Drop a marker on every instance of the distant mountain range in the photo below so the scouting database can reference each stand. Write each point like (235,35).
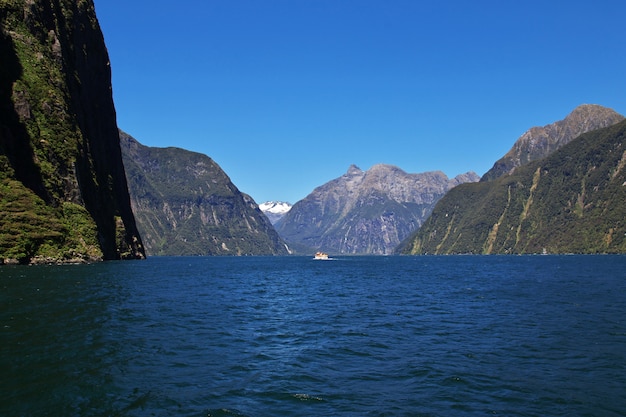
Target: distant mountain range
(365,212)
(572,201)
(275,210)
(186,205)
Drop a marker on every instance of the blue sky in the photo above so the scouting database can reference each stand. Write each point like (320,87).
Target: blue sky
(286,94)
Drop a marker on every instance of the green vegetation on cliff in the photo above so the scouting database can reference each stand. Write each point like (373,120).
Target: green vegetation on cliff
(539,142)
(34,231)
(573,201)
(62,179)
(186,205)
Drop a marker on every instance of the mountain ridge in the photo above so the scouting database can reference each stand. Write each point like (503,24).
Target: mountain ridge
(572,201)
(538,142)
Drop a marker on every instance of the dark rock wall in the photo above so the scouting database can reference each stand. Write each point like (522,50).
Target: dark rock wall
(58,129)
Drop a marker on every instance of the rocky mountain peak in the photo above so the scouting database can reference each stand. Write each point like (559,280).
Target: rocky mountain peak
(539,142)
(587,112)
(354,170)
(365,212)
(572,201)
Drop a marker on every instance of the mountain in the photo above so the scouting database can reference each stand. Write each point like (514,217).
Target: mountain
(275,210)
(539,142)
(573,201)
(186,205)
(63,192)
(365,212)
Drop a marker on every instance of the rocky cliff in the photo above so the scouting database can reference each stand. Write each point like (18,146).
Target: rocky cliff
(573,201)
(365,212)
(63,193)
(186,205)
(539,142)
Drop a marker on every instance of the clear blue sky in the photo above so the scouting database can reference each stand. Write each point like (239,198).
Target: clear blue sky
(286,94)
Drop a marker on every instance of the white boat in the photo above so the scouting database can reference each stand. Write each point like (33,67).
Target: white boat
(321,256)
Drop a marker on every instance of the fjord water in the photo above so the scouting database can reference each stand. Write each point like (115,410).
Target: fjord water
(290,336)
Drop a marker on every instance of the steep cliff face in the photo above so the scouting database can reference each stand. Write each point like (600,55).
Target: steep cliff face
(365,212)
(63,192)
(539,142)
(573,201)
(186,205)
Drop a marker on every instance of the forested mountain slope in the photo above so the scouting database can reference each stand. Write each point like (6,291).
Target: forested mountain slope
(539,142)
(573,201)
(186,205)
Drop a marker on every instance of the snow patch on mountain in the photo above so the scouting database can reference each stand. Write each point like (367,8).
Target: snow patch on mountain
(275,210)
(276,207)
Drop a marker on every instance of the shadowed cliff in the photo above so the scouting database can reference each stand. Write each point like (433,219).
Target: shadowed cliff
(63,193)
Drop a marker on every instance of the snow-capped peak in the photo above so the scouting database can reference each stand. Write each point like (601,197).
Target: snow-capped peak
(275,210)
(275,207)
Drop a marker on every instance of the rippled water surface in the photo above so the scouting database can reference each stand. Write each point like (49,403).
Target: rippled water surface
(289,336)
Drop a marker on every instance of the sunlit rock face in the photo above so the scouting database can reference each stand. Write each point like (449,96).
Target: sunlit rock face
(366,212)
(539,142)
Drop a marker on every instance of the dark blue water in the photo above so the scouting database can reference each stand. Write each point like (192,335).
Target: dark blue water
(361,336)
